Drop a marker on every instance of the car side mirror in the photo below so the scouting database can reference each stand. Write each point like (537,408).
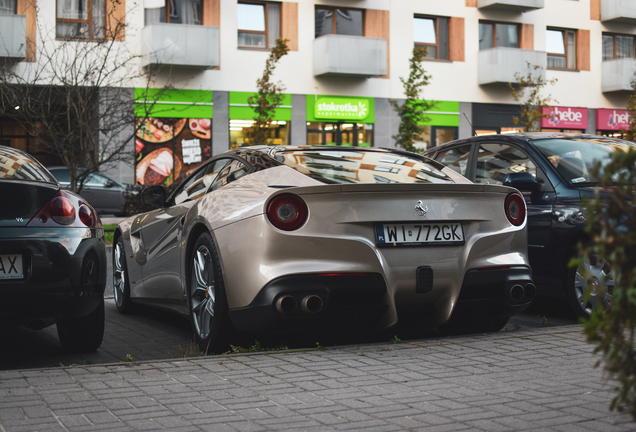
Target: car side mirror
(522,181)
(154,196)
(108,184)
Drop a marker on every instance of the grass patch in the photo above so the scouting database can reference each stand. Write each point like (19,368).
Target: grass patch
(109,232)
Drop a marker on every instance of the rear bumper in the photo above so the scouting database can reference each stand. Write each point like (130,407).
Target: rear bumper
(488,293)
(346,303)
(52,262)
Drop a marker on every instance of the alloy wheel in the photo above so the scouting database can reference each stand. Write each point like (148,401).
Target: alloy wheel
(595,271)
(119,275)
(202,292)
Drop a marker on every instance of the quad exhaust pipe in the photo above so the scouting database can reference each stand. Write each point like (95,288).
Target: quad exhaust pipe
(310,304)
(518,293)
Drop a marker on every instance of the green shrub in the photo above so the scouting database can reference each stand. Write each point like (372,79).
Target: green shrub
(611,225)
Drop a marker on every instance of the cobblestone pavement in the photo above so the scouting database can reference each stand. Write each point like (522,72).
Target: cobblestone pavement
(537,379)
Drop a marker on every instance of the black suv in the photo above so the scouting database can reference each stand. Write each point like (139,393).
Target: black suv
(552,171)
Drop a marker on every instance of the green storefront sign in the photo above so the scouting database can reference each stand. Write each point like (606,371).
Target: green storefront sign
(173,103)
(443,113)
(240,108)
(340,108)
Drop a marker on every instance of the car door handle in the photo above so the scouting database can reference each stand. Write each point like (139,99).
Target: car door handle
(182,220)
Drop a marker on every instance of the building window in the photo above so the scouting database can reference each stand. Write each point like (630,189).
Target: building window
(81,19)
(346,22)
(561,48)
(7,7)
(258,24)
(432,33)
(498,35)
(617,46)
(172,11)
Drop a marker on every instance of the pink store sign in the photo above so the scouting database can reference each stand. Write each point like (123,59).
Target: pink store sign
(612,119)
(564,118)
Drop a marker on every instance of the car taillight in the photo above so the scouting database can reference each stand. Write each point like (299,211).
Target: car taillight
(515,208)
(287,212)
(67,210)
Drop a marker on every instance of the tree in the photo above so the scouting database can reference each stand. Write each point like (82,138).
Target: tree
(269,95)
(611,225)
(527,89)
(411,112)
(76,98)
(631,109)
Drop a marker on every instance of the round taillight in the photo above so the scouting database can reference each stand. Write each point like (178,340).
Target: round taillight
(515,208)
(86,215)
(287,212)
(62,210)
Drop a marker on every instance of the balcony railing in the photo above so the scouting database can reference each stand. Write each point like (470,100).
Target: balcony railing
(499,65)
(512,5)
(350,55)
(617,74)
(193,46)
(12,36)
(619,11)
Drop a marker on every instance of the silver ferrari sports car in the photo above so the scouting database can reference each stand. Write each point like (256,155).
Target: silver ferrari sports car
(303,239)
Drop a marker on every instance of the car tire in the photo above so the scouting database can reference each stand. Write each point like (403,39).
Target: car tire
(84,334)
(121,284)
(207,299)
(577,284)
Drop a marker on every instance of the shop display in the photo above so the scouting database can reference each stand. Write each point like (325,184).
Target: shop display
(166,151)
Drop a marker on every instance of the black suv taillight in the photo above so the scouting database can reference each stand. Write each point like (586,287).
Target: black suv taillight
(66,210)
(287,212)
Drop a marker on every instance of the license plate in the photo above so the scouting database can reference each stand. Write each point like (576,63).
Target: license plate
(11,267)
(419,234)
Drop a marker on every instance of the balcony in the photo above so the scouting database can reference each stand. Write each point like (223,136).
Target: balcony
(12,36)
(499,65)
(618,74)
(191,46)
(350,55)
(618,11)
(511,5)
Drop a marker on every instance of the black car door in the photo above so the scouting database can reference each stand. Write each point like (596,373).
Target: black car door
(493,161)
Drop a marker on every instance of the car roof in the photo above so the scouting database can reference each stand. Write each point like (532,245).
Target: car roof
(523,137)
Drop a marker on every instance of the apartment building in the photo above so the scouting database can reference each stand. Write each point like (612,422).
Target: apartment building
(345,63)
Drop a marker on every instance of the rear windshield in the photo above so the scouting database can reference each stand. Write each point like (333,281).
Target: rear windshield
(20,166)
(333,166)
(573,159)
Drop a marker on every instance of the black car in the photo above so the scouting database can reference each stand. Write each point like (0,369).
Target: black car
(103,193)
(52,255)
(552,172)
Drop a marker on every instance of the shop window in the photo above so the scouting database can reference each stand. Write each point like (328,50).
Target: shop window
(496,161)
(493,35)
(342,134)
(172,11)
(258,24)
(81,19)
(240,133)
(432,34)
(561,48)
(7,7)
(330,20)
(617,46)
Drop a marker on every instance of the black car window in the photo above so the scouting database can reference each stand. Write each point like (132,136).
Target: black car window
(496,161)
(62,175)
(455,158)
(231,172)
(198,183)
(20,166)
(573,159)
